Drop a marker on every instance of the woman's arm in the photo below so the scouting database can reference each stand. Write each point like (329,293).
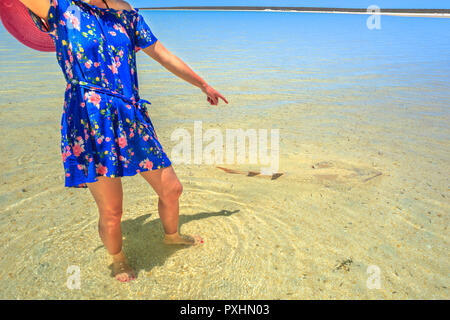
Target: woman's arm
(39,7)
(175,65)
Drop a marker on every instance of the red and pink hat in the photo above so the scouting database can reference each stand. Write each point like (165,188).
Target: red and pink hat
(17,20)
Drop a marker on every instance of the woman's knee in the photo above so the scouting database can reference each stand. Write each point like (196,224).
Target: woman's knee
(110,217)
(172,191)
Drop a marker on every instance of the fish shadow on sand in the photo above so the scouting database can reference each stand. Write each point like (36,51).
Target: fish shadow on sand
(273,176)
(341,172)
(142,240)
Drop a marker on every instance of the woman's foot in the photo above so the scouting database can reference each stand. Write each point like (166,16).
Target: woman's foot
(120,268)
(176,238)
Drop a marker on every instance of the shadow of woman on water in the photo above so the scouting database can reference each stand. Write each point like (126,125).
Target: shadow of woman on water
(142,240)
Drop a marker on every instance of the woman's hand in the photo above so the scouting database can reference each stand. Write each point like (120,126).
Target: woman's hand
(212,95)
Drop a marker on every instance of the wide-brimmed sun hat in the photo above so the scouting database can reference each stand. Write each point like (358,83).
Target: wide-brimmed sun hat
(18,21)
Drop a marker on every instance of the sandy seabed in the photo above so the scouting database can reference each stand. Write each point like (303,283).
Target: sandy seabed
(311,233)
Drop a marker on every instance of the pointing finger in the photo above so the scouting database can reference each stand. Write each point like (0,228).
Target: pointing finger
(223,98)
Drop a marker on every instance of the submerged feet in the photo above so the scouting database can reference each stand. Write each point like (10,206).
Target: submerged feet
(124,273)
(120,268)
(176,238)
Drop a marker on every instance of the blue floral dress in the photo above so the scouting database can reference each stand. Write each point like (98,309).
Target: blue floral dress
(105,126)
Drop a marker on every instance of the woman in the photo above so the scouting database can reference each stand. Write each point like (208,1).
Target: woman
(105,127)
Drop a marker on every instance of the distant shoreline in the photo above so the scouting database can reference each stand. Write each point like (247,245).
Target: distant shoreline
(398,12)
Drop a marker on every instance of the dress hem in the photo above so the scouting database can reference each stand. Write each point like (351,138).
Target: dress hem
(83,185)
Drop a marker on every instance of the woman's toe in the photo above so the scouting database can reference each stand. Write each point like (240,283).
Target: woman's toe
(198,239)
(122,277)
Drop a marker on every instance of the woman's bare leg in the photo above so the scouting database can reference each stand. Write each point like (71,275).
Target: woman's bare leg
(108,195)
(166,184)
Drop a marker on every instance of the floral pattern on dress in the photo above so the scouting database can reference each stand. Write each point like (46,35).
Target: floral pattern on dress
(105,126)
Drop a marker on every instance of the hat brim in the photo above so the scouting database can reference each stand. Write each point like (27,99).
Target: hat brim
(17,20)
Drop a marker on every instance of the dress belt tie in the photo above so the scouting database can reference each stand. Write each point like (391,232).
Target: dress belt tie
(139,104)
(94,87)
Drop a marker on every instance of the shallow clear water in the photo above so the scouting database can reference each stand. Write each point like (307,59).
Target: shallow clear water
(365,101)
